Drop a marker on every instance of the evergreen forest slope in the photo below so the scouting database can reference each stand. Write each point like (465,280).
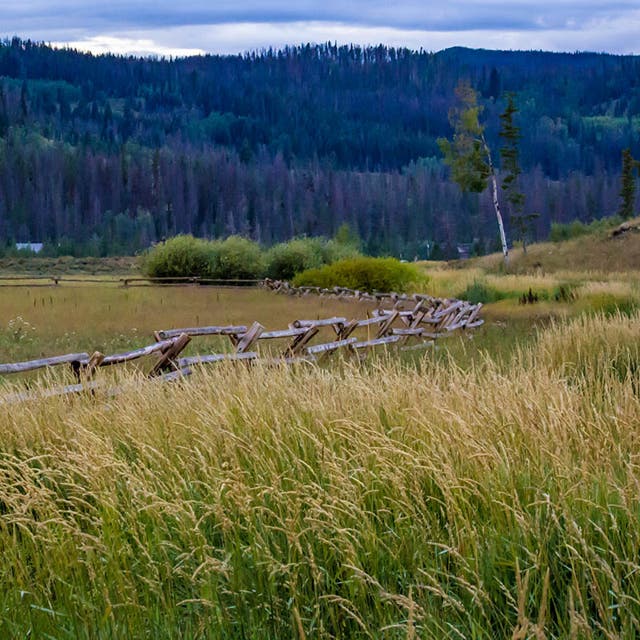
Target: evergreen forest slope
(104,154)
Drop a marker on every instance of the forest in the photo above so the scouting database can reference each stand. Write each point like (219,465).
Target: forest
(105,155)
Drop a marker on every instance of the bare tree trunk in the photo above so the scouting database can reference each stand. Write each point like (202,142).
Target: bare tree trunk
(496,203)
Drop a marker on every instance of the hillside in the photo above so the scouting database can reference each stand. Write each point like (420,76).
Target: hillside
(607,251)
(102,155)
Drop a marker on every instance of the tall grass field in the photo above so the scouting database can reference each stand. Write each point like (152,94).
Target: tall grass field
(359,501)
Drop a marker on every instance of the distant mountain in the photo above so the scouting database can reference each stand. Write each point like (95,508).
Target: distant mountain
(105,154)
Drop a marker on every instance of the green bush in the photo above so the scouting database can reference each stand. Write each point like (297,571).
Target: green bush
(186,256)
(334,250)
(285,260)
(564,292)
(365,274)
(237,258)
(181,256)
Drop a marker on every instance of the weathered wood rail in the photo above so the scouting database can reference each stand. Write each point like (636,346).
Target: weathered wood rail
(38,280)
(31,365)
(418,318)
(398,299)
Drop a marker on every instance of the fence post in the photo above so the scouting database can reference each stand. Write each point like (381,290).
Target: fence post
(168,356)
(247,339)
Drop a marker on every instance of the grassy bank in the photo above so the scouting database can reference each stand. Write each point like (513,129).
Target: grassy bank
(382,501)
(601,250)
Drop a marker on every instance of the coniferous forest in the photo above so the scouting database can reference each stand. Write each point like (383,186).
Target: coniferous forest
(103,155)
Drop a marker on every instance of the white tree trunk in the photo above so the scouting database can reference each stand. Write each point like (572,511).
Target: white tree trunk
(496,203)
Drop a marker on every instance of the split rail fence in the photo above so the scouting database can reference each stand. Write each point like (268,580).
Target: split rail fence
(37,280)
(411,322)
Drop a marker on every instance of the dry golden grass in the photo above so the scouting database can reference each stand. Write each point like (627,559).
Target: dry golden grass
(108,318)
(444,281)
(561,293)
(66,265)
(599,253)
(488,489)
(376,501)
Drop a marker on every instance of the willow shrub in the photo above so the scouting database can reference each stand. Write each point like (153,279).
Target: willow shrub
(237,258)
(364,274)
(286,259)
(186,256)
(178,257)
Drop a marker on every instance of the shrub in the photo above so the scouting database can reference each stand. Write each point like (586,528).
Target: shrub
(237,258)
(285,260)
(575,229)
(564,292)
(610,304)
(334,250)
(365,274)
(181,256)
(186,256)
(479,291)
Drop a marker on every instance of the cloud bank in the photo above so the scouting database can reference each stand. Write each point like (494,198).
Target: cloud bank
(165,27)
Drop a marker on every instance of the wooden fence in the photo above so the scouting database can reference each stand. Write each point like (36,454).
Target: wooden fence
(122,281)
(410,322)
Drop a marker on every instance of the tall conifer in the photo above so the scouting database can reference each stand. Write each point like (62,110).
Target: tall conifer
(628,185)
(509,153)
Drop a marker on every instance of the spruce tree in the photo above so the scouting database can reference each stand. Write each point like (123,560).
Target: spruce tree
(509,154)
(510,134)
(628,185)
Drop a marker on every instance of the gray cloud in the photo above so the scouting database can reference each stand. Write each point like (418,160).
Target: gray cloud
(212,26)
(406,14)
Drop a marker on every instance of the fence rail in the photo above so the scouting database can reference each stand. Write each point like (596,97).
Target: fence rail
(37,280)
(414,318)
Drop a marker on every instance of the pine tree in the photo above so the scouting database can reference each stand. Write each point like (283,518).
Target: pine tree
(509,154)
(510,134)
(628,185)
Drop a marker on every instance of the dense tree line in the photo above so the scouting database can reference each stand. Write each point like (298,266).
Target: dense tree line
(112,153)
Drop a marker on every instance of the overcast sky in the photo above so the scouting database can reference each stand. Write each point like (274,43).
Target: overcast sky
(184,27)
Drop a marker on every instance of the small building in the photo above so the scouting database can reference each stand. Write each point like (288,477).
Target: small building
(34,247)
(464,250)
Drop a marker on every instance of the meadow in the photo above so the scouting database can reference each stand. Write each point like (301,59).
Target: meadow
(46,321)
(487,488)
